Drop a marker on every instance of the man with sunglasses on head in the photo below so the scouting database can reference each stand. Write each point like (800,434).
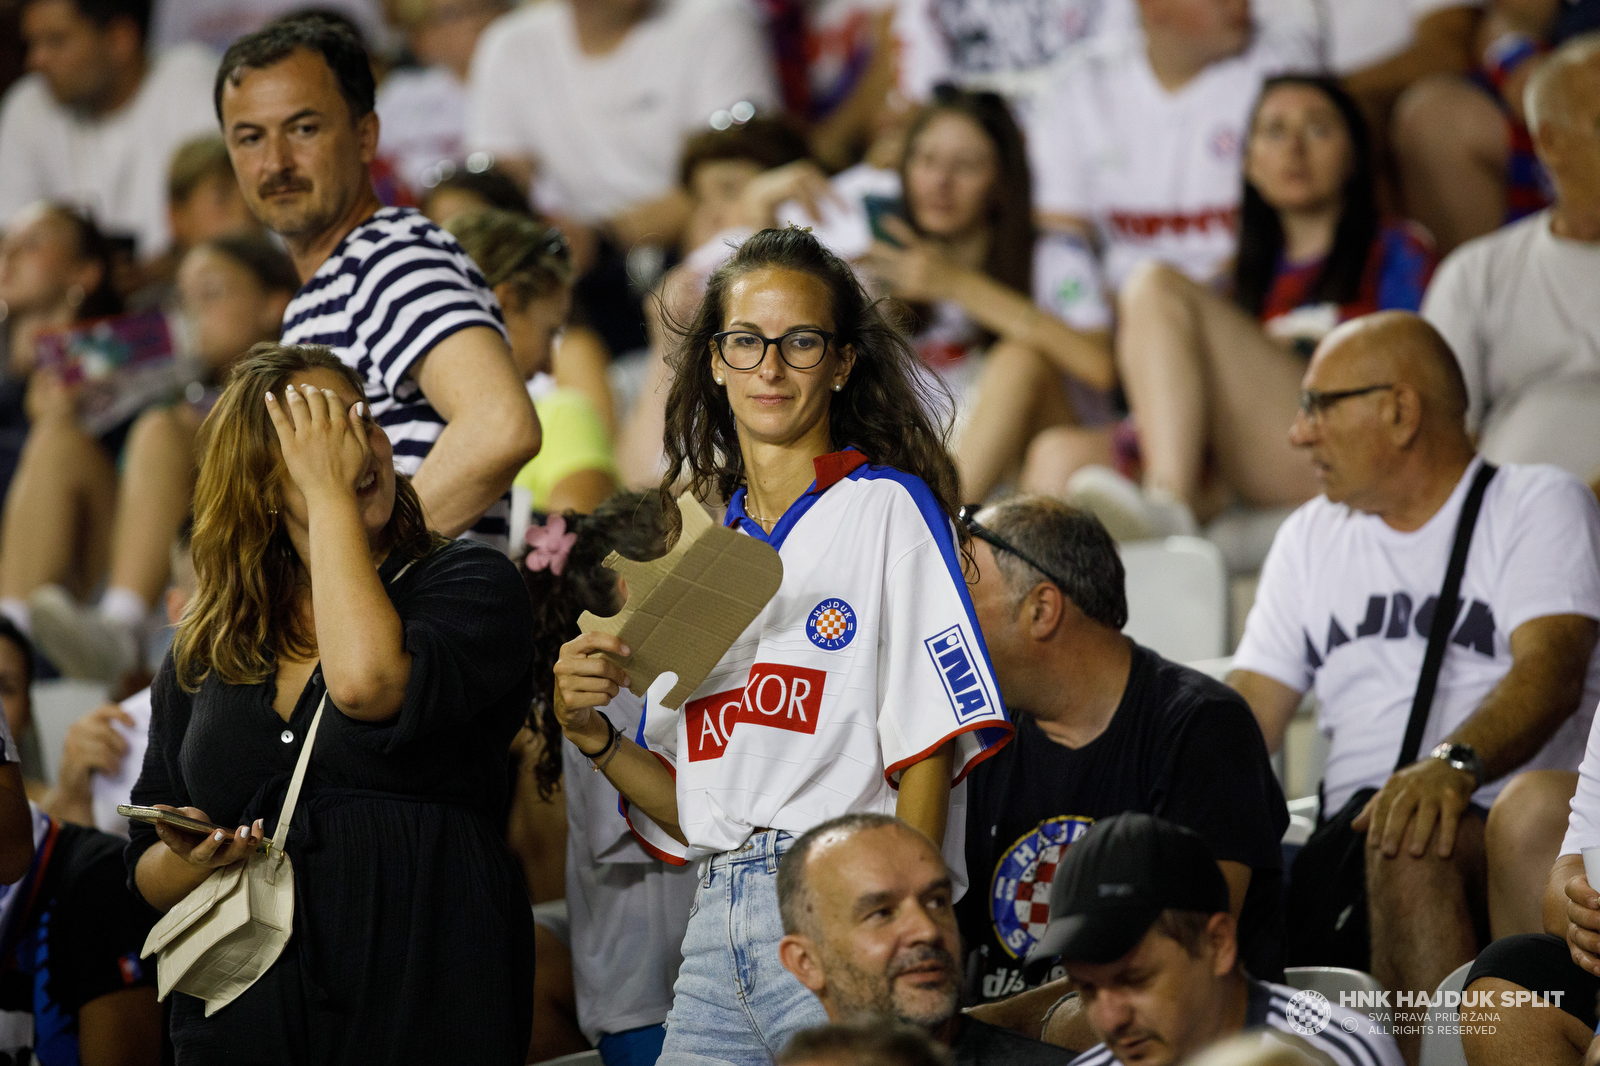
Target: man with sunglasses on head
(1103,726)
(1345,605)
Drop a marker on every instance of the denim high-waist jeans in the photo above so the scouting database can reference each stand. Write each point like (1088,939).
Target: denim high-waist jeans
(733,1001)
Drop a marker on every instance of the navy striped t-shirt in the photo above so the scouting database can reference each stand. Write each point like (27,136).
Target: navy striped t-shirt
(395,287)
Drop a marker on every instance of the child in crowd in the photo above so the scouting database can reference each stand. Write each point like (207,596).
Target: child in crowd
(71,518)
(203,202)
(1213,380)
(527,265)
(628,910)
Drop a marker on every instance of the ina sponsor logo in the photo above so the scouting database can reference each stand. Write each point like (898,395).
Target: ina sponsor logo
(969,696)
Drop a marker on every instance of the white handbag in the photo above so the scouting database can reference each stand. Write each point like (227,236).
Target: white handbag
(219,939)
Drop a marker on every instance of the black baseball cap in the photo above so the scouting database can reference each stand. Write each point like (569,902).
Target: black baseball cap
(1117,879)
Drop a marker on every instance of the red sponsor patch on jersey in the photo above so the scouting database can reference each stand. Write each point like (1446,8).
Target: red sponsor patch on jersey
(776,695)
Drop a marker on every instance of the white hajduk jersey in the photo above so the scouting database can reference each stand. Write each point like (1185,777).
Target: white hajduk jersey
(1157,173)
(392,290)
(869,659)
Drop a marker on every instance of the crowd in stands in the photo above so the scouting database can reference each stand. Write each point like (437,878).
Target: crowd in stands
(346,343)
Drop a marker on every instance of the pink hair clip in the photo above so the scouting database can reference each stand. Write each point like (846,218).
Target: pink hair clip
(548,545)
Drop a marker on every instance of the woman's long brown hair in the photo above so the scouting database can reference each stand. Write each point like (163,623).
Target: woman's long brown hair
(245,614)
(890,408)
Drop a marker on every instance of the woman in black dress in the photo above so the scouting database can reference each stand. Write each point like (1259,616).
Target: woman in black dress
(413,938)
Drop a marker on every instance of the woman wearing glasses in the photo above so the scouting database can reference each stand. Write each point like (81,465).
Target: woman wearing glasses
(1211,380)
(863,685)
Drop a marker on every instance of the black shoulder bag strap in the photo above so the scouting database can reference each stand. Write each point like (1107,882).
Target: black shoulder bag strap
(1444,617)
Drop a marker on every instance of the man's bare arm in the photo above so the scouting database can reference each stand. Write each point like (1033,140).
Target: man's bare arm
(1549,662)
(1272,702)
(491,429)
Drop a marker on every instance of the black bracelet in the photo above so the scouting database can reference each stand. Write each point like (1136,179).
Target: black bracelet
(612,733)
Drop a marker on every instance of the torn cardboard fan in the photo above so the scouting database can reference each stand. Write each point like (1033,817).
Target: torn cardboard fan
(686,609)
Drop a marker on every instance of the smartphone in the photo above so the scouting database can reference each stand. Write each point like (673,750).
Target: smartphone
(879,208)
(172,818)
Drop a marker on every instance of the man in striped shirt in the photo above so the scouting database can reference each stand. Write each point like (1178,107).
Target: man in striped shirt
(1139,916)
(393,295)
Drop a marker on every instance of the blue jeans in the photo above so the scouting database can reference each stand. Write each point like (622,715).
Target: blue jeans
(733,1001)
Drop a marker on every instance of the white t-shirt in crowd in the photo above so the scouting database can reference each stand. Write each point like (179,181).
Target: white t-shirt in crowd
(628,910)
(1345,603)
(109,790)
(868,659)
(607,131)
(1157,173)
(218,23)
(1519,306)
(1005,45)
(422,120)
(113,167)
(1354,34)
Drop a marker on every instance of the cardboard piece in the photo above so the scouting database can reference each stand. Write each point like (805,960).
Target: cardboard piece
(686,609)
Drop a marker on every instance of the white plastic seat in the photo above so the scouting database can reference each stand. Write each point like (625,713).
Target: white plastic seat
(56,705)
(1332,981)
(1177,597)
(1441,1041)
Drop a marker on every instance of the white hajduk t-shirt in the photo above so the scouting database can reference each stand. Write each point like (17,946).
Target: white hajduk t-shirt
(628,909)
(1519,307)
(606,132)
(422,119)
(109,790)
(114,167)
(1005,45)
(868,660)
(1157,173)
(1345,603)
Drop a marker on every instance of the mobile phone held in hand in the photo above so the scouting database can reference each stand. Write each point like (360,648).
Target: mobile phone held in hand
(879,208)
(172,818)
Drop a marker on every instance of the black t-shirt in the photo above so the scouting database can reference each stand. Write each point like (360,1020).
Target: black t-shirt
(1180,746)
(981,1044)
(80,940)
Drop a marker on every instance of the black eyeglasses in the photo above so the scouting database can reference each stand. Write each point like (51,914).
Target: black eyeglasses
(968,517)
(1314,402)
(802,349)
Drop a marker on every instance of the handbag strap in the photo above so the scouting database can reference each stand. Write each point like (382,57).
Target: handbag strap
(280,839)
(1444,617)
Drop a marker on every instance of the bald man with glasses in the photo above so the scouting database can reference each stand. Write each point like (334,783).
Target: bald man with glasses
(1103,726)
(1345,605)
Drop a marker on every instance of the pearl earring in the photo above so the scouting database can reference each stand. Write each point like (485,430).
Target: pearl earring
(717,380)
(839,386)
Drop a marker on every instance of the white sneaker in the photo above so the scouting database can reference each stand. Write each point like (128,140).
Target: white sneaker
(1127,511)
(80,641)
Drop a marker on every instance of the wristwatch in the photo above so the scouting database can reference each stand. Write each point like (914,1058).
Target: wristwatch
(1461,757)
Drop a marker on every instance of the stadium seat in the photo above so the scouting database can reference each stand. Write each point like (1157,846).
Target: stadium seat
(1441,1041)
(56,705)
(1177,597)
(1331,981)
